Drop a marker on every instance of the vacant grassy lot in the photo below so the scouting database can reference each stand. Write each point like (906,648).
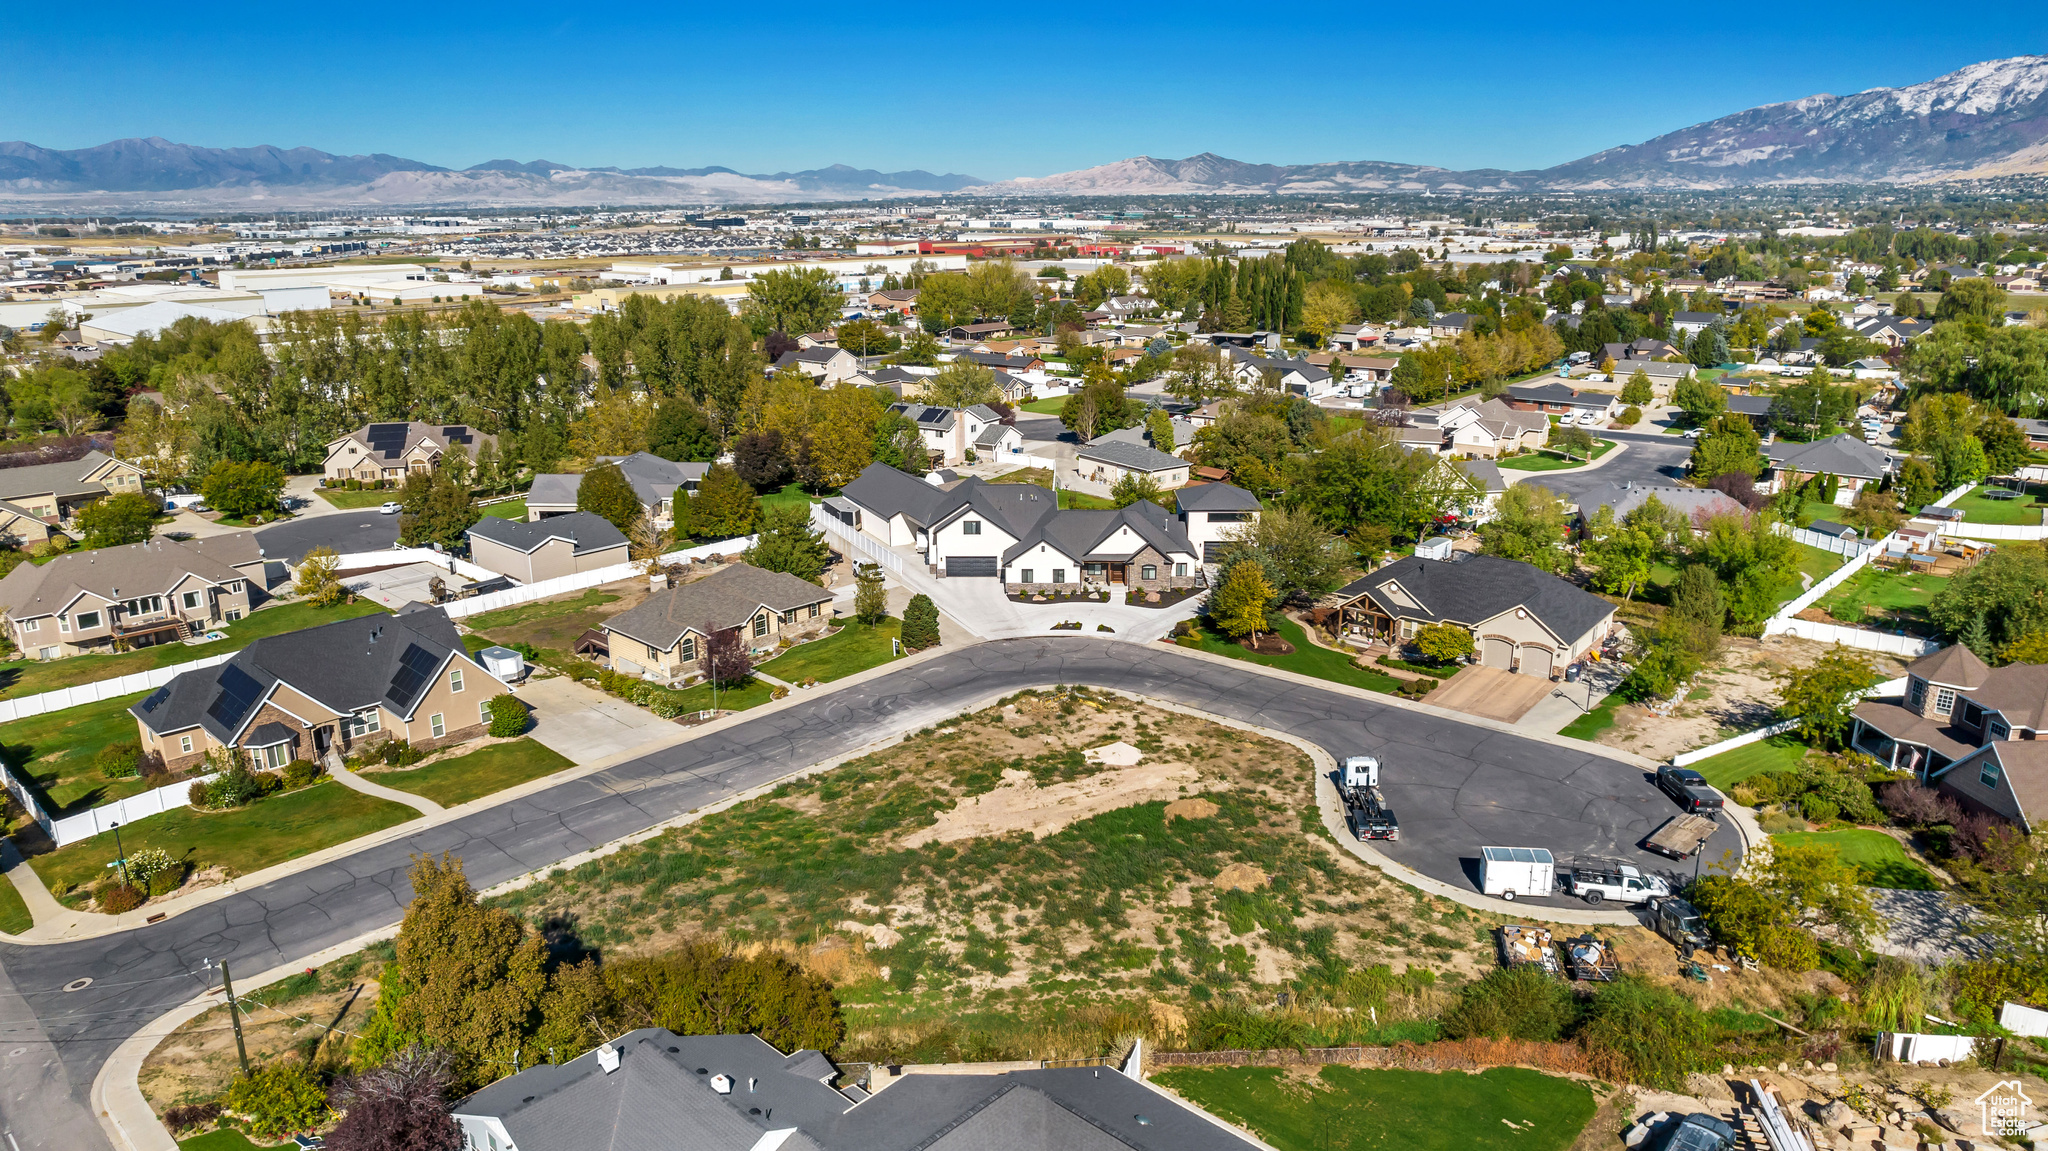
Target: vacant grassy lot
(1355,1109)
(2024,509)
(481,772)
(1781,753)
(1073,499)
(266,832)
(30,677)
(555,623)
(1307,658)
(1050,406)
(855,647)
(1877,855)
(1550,461)
(53,753)
(985,888)
(1040,476)
(1883,598)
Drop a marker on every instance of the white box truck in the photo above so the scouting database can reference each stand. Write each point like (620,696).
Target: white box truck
(1510,872)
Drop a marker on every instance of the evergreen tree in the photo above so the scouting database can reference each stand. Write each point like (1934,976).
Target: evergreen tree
(1637,390)
(788,543)
(682,432)
(606,492)
(870,598)
(724,506)
(920,623)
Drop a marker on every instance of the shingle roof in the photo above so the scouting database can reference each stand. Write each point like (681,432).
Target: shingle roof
(1954,665)
(2019,691)
(114,573)
(887,492)
(554,490)
(1842,455)
(1215,498)
(66,478)
(1083,533)
(655,479)
(585,531)
(1625,497)
(721,600)
(388,442)
(1136,457)
(1480,587)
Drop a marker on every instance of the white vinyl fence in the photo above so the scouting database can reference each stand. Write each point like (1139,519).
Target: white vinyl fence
(1988,532)
(1685,758)
(527,593)
(1826,543)
(1903,645)
(120,685)
(87,824)
(397,557)
(872,549)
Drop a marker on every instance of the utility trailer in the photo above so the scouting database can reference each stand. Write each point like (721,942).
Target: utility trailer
(1589,957)
(1509,872)
(1364,805)
(1524,946)
(1682,836)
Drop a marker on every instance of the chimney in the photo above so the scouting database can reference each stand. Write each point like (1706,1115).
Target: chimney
(608,1058)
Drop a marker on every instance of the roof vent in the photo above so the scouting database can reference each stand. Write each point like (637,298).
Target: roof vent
(722,1083)
(608,1058)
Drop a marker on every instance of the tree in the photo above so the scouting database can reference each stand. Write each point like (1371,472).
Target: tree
(1443,642)
(1529,525)
(1238,605)
(1728,444)
(870,598)
(1328,305)
(605,492)
(1621,554)
(400,1106)
(725,506)
(2029,648)
(1134,487)
(1700,400)
(614,424)
(1698,612)
(316,582)
(242,490)
(1159,429)
(279,1098)
(1638,389)
(1823,696)
(761,458)
(788,543)
(1976,298)
(2003,590)
(1917,486)
(961,384)
(681,431)
(127,518)
(920,623)
(2005,445)
(795,299)
(1570,441)
(1300,557)
(646,542)
(921,350)
(702,988)
(726,660)
(1752,561)
(865,337)
(436,507)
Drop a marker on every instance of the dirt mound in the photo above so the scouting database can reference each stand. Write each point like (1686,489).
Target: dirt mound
(1020,804)
(1240,877)
(1190,809)
(1267,643)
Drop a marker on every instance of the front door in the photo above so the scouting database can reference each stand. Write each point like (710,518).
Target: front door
(1116,572)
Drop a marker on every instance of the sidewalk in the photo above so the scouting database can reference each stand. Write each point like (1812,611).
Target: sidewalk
(354,782)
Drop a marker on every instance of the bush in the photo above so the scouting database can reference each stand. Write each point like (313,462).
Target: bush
(279,1099)
(145,864)
(508,715)
(1516,1003)
(167,881)
(231,788)
(117,897)
(300,772)
(398,753)
(118,760)
(1630,416)
(1654,1036)
(190,1115)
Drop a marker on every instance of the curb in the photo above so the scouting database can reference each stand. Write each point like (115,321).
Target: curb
(1620,446)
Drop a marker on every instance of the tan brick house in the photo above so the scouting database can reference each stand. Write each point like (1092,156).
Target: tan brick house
(325,693)
(664,637)
(135,595)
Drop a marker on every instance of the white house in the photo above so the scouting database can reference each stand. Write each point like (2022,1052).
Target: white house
(1210,512)
(950,433)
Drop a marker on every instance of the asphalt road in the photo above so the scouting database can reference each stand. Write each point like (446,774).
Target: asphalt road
(366,530)
(1651,458)
(1454,785)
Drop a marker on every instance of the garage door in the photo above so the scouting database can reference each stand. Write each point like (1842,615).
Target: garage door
(973,565)
(1498,653)
(1536,661)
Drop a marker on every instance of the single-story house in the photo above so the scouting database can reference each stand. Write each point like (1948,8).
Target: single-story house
(1757,408)
(1663,375)
(655,480)
(1971,731)
(1553,397)
(54,492)
(533,550)
(390,452)
(1210,512)
(1646,348)
(1522,618)
(1483,486)
(823,363)
(1183,436)
(1143,547)
(1108,461)
(1844,456)
(138,595)
(1693,323)
(664,637)
(1626,496)
(1299,377)
(325,692)
(971,333)
(1450,325)
(900,301)
(1004,361)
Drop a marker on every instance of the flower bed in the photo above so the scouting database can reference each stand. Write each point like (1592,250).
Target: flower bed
(1167,597)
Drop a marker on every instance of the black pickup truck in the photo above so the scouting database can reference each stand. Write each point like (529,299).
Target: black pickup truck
(1690,789)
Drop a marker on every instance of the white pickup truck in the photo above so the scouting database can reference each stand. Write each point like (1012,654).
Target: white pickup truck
(1597,880)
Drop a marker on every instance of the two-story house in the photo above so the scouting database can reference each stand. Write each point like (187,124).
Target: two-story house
(51,494)
(665,636)
(324,693)
(1211,513)
(950,433)
(135,595)
(1972,731)
(390,452)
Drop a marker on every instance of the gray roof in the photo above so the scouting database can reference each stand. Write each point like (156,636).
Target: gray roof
(554,490)
(1625,497)
(1136,457)
(1697,317)
(887,492)
(389,442)
(586,532)
(1479,587)
(655,479)
(66,478)
(1081,533)
(346,666)
(1215,498)
(115,573)
(1183,435)
(661,1098)
(1830,528)
(1842,455)
(1018,509)
(1751,406)
(721,600)
(1485,473)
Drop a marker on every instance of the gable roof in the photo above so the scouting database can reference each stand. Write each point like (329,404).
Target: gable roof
(554,490)
(65,478)
(1136,457)
(388,442)
(1841,455)
(585,532)
(115,573)
(888,492)
(1626,496)
(1082,534)
(654,479)
(1479,587)
(721,600)
(1215,498)
(345,666)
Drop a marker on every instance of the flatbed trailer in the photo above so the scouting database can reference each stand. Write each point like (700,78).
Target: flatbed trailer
(1591,958)
(1682,836)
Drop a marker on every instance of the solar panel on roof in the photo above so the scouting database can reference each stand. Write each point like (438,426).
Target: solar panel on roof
(455,435)
(415,668)
(931,415)
(239,692)
(156,699)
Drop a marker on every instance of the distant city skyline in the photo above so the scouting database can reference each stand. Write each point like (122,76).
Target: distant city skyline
(791,87)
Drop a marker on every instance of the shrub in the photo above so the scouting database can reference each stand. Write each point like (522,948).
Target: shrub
(145,864)
(508,715)
(117,897)
(1516,1003)
(1630,416)
(1653,1035)
(233,788)
(168,880)
(398,753)
(279,1099)
(920,623)
(300,772)
(118,760)
(190,1115)
(151,765)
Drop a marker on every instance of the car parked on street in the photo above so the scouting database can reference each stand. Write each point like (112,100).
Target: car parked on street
(390,508)
(1689,788)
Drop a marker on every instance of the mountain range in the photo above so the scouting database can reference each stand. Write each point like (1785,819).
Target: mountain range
(1988,119)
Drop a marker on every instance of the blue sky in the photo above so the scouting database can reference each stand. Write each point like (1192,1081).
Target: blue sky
(988,90)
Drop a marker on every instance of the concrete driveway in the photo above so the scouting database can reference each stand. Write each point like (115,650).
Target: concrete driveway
(587,725)
(979,605)
(396,587)
(1490,693)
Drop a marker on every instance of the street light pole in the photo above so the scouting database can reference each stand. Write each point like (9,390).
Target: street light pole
(120,856)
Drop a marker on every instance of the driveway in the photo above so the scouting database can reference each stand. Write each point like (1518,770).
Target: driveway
(587,725)
(978,605)
(1490,693)
(396,587)
(360,531)
(1651,458)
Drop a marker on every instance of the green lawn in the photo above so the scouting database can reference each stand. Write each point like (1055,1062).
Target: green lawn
(1813,510)
(1779,753)
(788,494)
(269,831)
(1595,721)
(363,498)
(1306,659)
(1895,598)
(1549,461)
(1040,476)
(481,772)
(2023,510)
(1050,406)
(1815,563)
(755,693)
(509,510)
(541,609)
(225,1139)
(1877,855)
(30,677)
(53,753)
(14,916)
(1073,499)
(1353,1109)
(853,648)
